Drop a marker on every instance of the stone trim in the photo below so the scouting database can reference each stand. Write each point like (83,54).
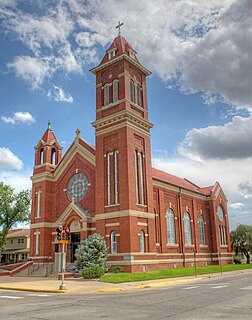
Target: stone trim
(124,213)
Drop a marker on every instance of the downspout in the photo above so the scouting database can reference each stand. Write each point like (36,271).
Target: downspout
(181,229)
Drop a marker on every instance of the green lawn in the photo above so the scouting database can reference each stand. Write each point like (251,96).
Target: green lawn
(170,273)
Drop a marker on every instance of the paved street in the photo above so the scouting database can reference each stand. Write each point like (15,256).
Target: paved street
(226,297)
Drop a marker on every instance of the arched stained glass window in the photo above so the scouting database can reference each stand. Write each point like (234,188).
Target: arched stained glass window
(113,242)
(202,230)
(187,229)
(106,94)
(170,226)
(115,91)
(142,244)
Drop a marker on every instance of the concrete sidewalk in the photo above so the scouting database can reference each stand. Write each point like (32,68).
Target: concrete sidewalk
(82,286)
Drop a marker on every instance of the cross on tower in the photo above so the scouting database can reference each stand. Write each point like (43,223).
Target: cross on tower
(119,27)
(49,125)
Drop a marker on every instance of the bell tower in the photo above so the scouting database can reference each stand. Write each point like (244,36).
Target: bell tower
(124,192)
(48,152)
(47,156)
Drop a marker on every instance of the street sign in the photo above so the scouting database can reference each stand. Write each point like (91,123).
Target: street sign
(64,241)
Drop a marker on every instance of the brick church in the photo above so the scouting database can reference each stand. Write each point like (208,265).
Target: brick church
(150,219)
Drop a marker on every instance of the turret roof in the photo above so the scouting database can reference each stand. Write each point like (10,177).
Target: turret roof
(121,46)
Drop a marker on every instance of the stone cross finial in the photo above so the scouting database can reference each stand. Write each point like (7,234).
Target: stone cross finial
(49,125)
(119,27)
(78,131)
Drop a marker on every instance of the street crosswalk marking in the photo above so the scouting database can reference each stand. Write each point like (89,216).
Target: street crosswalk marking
(247,288)
(11,297)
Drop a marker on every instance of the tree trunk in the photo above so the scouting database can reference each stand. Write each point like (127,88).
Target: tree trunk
(248,258)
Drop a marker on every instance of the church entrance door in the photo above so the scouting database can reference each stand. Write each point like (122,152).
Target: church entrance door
(75,240)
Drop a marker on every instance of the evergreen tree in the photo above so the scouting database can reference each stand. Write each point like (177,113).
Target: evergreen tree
(92,252)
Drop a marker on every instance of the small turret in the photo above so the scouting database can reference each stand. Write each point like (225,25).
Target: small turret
(48,152)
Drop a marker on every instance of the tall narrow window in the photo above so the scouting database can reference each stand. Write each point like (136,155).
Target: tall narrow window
(53,157)
(224,235)
(142,244)
(108,177)
(202,230)
(106,94)
(221,235)
(115,91)
(170,226)
(187,229)
(116,175)
(132,91)
(38,204)
(141,178)
(113,242)
(37,242)
(139,96)
(137,176)
(41,156)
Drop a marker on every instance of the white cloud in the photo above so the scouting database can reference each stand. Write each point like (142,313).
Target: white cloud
(58,94)
(18,180)
(19,117)
(245,188)
(33,70)
(231,141)
(204,46)
(8,160)
(236,205)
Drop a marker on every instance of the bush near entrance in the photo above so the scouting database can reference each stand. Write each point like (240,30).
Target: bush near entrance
(92,255)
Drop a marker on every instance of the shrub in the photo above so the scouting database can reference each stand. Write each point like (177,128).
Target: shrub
(117,269)
(237,260)
(92,252)
(93,272)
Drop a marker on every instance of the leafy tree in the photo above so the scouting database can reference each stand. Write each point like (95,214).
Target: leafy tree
(92,252)
(241,240)
(13,208)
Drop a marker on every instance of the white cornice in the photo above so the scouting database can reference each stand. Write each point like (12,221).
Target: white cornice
(121,115)
(123,56)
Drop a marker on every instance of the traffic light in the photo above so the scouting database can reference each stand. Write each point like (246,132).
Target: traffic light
(59,232)
(67,231)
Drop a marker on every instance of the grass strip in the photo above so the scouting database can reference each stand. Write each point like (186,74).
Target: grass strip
(170,273)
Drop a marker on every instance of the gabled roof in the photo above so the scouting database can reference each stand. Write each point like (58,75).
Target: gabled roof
(18,233)
(176,181)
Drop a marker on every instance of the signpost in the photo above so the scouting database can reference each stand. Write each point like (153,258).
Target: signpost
(60,232)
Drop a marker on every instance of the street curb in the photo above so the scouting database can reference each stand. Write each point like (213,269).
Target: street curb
(32,289)
(108,290)
(156,284)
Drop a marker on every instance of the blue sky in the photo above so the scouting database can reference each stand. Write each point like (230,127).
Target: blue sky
(199,93)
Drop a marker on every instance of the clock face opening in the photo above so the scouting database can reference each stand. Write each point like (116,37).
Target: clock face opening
(77,187)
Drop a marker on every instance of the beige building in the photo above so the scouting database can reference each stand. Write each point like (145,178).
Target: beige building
(17,246)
